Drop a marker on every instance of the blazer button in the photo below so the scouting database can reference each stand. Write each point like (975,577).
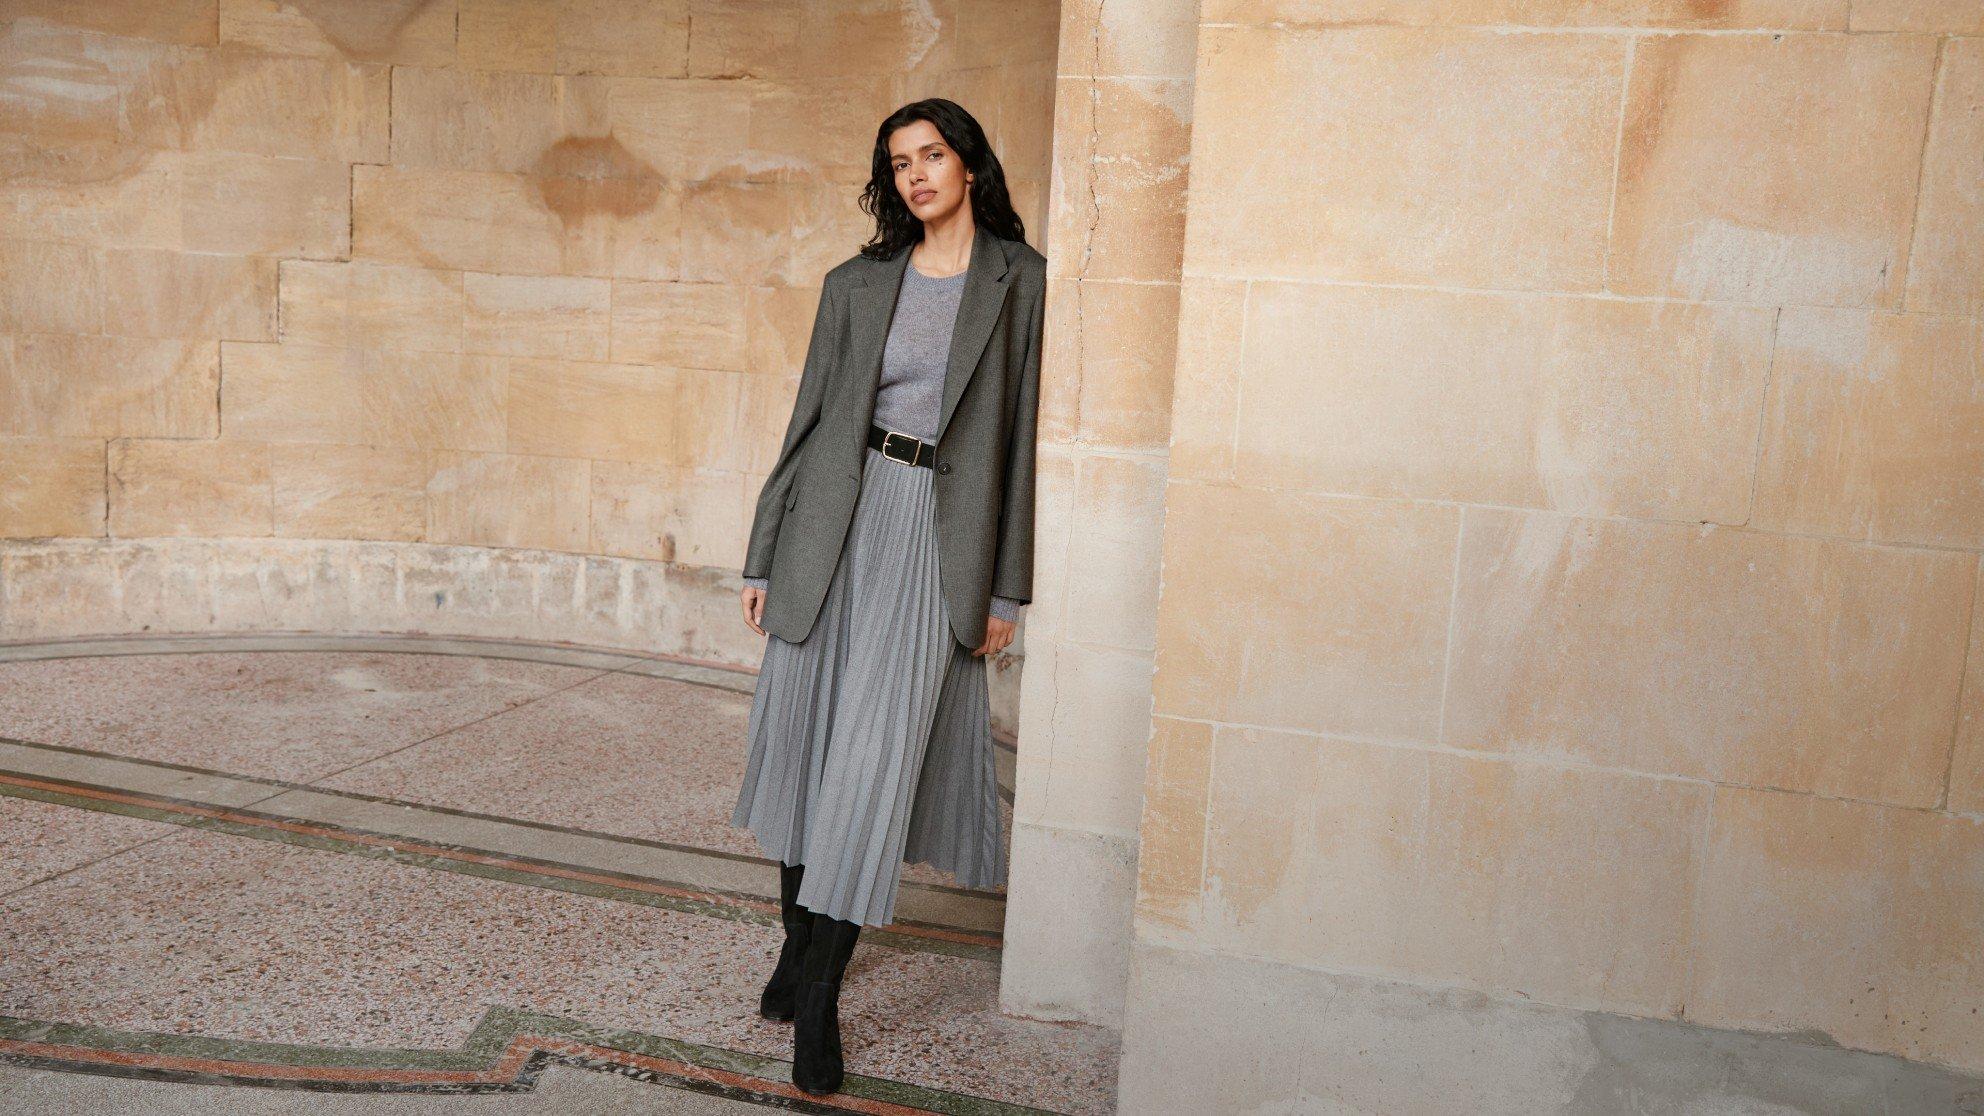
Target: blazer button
(943,466)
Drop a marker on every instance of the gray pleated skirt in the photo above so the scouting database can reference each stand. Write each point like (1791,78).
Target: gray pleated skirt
(871,739)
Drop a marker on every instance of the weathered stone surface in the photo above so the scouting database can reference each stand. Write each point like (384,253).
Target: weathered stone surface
(1804,196)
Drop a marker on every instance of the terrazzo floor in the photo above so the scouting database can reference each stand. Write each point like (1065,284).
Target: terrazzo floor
(347,870)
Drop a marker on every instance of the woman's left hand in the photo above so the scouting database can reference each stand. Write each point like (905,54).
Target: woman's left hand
(998,633)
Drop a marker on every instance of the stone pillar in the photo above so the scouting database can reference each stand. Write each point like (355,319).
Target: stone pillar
(1122,129)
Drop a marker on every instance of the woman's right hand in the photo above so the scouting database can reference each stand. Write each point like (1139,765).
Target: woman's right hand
(753,600)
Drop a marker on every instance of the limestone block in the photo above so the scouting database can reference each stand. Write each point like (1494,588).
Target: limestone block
(1101,740)
(557,223)
(764,409)
(685,129)
(1113,39)
(374,397)
(253,205)
(301,107)
(984,36)
(705,325)
(1033,761)
(89,193)
(1461,157)
(74,86)
(1127,347)
(1846,919)
(827,228)
(187,22)
(837,39)
(1805,196)
(1566,885)
(669,514)
(1171,833)
(1062,368)
(1579,404)
(1731,655)
(1957,17)
(1068,878)
(616,412)
(64,85)
(169,487)
(736,232)
(1875,428)
(1212,315)
(1110,575)
(119,195)
(50,287)
(350,492)
(60,386)
(743,40)
(1966,778)
(1305,612)
(1020,92)
(576,36)
(1056,480)
(778,326)
(1121,153)
(51,486)
(393,32)
(501,499)
(819,128)
(1818,15)
(1946,265)
(537,315)
(370,305)
(148,292)
(475,121)
(703,417)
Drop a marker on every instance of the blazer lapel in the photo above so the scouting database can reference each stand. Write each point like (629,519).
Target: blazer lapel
(872,304)
(985,285)
(871,307)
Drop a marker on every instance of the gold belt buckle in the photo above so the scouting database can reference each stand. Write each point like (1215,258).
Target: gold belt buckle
(911,459)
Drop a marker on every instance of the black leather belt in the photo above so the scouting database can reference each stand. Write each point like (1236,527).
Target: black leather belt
(897,446)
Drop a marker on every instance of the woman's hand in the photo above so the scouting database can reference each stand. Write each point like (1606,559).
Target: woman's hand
(998,633)
(753,600)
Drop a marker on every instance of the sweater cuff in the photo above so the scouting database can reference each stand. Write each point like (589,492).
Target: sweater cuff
(764,583)
(1006,608)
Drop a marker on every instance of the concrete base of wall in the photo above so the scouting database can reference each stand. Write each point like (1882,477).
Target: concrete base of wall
(1216,1033)
(1063,879)
(64,588)
(74,587)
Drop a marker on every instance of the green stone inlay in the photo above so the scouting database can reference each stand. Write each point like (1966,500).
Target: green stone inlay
(492,1034)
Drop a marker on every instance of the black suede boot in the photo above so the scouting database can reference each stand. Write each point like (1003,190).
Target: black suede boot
(816,1052)
(781,993)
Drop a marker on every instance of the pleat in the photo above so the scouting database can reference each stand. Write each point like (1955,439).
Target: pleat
(954,823)
(877,725)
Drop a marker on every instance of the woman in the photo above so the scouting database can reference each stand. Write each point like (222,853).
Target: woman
(889,556)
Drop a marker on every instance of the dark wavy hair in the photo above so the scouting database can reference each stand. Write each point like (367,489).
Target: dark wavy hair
(991,208)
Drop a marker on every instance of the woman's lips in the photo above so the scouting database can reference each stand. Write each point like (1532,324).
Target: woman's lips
(923,195)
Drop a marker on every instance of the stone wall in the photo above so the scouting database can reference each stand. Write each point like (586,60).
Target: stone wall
(1122,134)
(445,275)
(1571,556)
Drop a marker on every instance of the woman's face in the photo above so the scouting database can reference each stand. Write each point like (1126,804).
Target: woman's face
(929,175)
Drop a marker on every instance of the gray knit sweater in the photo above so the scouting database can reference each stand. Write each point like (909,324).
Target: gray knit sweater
(910,395)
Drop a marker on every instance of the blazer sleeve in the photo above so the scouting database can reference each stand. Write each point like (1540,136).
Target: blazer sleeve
(813,379)
(1012,574)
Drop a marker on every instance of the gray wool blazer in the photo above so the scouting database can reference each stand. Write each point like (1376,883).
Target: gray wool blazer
(985,439)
